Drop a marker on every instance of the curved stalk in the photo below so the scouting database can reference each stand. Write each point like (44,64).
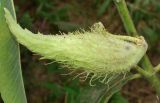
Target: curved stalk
(148,70)
(151,77)
(130,28)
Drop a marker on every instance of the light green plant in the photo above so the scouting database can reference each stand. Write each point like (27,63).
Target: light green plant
(96,51)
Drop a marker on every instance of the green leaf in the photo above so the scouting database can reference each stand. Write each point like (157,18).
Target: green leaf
(103,7)
(97,94)
(11,83)
(118,98)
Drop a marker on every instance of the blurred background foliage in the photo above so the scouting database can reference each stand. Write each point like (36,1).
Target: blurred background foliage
(44,83)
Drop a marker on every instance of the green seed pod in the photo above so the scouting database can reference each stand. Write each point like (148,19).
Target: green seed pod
(96,51)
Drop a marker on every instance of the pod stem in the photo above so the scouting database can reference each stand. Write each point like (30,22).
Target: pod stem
(125,16)
(130,28)
(157,68)
(151,77)
(148,71)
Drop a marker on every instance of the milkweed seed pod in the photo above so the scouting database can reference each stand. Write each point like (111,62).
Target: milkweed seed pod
(96,51)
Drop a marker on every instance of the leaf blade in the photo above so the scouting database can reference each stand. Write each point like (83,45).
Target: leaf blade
(11,83)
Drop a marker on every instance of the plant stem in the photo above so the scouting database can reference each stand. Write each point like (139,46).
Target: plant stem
(151,77)
(157,68)
(155,83)
(127,21)
(135,76)
(130,28)
(146,64)
(148,71)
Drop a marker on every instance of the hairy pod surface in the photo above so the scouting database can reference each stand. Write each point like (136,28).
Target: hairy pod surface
(96,51)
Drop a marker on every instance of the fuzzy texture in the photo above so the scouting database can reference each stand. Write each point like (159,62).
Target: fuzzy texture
(96,51)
